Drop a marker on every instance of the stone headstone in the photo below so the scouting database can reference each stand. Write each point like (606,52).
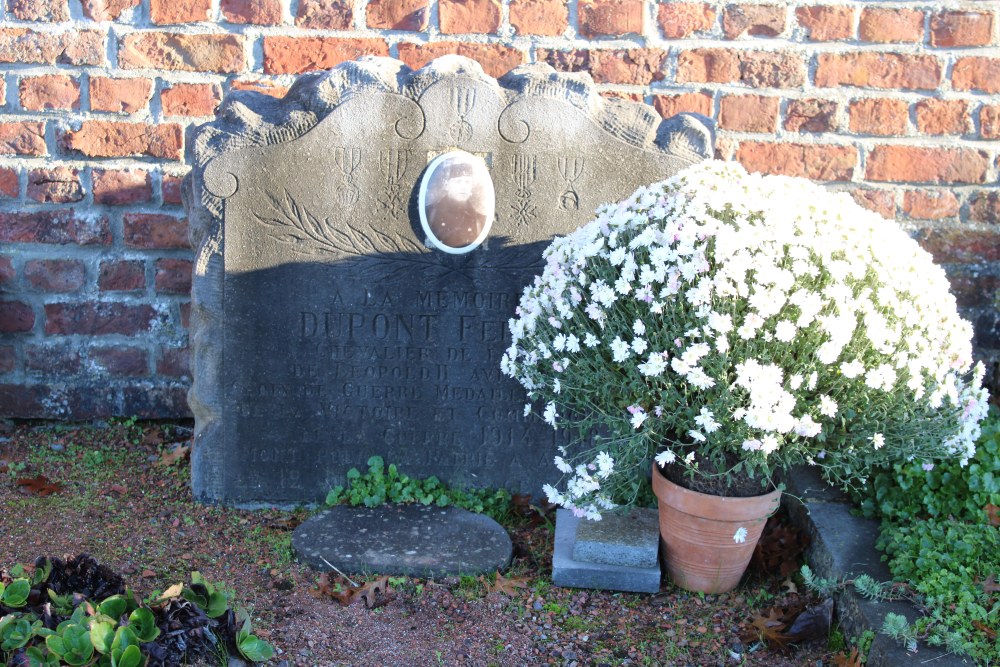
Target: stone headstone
(326,328)
(413,540)
(631,538)
(637,577)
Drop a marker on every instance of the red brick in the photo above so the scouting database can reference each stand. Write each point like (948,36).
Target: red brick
(930,204)
(748,113)
(294,55)
(62,359)
(105,138)
(815,161)
(7,272)
(39,10)
(628,66)
(170,187)
(16,317)
(261,86)
(22,138)
(107,10)
(989,122)
(164,12)
(173,276)
(174,362)
(610,18)
(57,185)
(9,186)
(121,187)
(70,47)
(926,165)
(878,70)
(539,17)
(622,95)
(184,52)
(811,115)
(120,95)
(8,359)
(682,19)
(325,14)
(961,246)
(942,116)
(671,105)
(57,226)
(958,28)
(754,20)
(97,319)
(985,207)
(185,309)
(255,12)
(191,99)
(976,73)
(891,25)
(55,275)
(882,202)
(398,14)
(122,276)
(826,23)
(469,16)
(883,117)
(120,361)
(496,59)
(760,69)
(154,230)
(52,91)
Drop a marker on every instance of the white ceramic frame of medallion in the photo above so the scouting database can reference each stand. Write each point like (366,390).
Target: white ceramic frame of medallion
(422,200)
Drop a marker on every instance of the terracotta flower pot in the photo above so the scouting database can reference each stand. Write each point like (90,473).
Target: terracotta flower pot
(698,530)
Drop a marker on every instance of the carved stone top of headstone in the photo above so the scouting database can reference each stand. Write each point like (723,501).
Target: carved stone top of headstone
(327,327)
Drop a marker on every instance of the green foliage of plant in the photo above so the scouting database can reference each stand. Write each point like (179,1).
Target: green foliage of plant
(16,594)
(383,484)
(253,648)
(71,644)
(908,491)
(15,631)
(937,537)
(214,603)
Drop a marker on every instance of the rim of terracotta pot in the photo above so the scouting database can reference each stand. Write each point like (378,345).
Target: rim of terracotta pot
(698,504)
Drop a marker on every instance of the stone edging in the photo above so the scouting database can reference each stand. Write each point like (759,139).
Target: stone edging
(843,545)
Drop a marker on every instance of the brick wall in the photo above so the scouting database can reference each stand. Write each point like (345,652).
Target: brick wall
(896,102)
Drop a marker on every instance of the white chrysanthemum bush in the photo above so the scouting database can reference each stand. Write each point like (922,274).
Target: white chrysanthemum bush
(741,324)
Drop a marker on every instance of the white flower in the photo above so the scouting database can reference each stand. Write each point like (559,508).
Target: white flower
(785,331)
(527,409)
(740,536)
(619,350)
(562,465)
(827,406)
(550,414)
(605,464)
(697,436)
(654,365)
(639,345)
(878,441)
(666,457)
(639,327)
(638,417)
(590,340)
(706,420)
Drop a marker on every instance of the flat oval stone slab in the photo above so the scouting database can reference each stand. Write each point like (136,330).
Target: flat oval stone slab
(412,540)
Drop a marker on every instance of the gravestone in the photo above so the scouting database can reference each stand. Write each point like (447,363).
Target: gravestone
(325,328)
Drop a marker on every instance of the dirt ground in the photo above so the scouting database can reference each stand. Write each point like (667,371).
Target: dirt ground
(119,492)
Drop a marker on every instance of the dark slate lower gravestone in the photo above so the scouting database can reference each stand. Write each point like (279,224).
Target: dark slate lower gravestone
(411,540)
(582,574)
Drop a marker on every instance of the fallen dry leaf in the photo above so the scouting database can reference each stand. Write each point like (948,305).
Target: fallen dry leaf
(153,437)
(175,455)
(38,486)
(985,629)
(506,585)
(285,523)
(790,586)
(148,574)
(845,660)
(991,585)
(993,512)
(172,592)
(373,593)
(769,628)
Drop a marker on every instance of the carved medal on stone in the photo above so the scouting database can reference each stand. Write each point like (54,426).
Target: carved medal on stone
(457,202)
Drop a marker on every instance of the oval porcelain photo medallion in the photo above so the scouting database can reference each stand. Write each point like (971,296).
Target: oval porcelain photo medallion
(456,202)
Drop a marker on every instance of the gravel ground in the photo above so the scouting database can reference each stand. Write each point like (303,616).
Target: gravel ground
(120,493)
